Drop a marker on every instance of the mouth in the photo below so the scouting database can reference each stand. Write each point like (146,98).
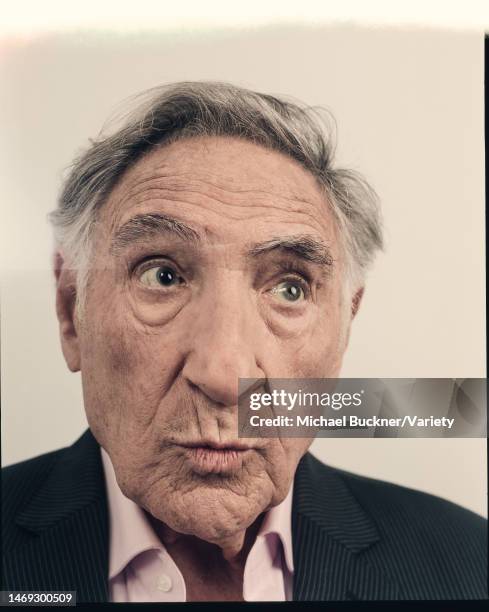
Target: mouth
(216,457)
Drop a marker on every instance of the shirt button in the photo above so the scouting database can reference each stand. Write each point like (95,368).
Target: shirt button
(164,583)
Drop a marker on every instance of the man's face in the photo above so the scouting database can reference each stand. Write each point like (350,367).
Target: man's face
(213,259)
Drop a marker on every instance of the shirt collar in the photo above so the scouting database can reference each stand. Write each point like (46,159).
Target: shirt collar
(130,530)
(278,520)
(131,533)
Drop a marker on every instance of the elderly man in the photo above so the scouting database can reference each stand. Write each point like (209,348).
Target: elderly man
(211,238)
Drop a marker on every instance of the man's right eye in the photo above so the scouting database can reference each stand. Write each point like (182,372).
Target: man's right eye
(160,276)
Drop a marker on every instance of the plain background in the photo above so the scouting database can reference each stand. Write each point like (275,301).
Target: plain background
(409,108)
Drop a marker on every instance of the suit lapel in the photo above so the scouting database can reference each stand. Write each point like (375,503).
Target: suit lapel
(330,532)
(68,518)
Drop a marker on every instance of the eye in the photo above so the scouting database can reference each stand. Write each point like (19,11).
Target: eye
(291,291)
(160,276)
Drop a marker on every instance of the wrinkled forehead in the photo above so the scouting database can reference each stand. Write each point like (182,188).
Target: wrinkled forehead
(225,189)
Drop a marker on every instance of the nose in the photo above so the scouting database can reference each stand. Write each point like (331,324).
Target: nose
(224,342)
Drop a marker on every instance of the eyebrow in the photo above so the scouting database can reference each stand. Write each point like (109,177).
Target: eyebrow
(304,247)
(144,226)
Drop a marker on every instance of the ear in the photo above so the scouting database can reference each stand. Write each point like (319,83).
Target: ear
(65,311)
(355,305)
(355,302)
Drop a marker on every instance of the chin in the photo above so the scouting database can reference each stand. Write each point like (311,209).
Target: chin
(207,513)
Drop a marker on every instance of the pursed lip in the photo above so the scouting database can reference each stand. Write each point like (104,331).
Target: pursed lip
(216,457)
(236,445)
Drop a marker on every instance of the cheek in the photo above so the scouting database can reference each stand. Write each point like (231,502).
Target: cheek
(283,455)
(318,352)
(294,448)
(126,370)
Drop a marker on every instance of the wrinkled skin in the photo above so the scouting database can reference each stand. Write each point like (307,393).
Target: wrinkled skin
(160,364)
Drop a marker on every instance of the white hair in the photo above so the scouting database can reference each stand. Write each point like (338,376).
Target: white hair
(182,110)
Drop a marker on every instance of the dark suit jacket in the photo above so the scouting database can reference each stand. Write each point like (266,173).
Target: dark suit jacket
(353,537)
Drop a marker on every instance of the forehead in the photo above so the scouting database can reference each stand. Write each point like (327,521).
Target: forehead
(221,185)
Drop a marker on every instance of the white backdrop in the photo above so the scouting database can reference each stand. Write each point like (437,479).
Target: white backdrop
(409,107)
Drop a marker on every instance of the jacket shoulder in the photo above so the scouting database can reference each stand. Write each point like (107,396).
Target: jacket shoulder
(385,500)
(19,482)
(55,522)
(24,474)
(430,546)
(35,464)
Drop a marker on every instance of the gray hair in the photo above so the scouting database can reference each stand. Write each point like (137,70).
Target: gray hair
(187,109)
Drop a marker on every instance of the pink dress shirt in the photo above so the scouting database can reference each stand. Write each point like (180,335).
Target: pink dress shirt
(140,568)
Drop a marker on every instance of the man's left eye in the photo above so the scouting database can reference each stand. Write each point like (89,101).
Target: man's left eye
(289,291)
(160,276)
